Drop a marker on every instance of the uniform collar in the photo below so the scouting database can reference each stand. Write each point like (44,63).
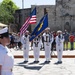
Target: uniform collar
(3,47)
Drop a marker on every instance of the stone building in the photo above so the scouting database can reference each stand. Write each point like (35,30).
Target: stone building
(20,17)
(65,14)
(60,16)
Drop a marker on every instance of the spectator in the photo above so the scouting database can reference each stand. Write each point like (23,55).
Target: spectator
(11,40)
(71,39)
(66,39)
(54,43)
(19,41)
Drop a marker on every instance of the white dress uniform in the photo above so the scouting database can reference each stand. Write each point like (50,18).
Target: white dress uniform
(6,60)
(25,42)
(36,48)
(59,47)
(48,39)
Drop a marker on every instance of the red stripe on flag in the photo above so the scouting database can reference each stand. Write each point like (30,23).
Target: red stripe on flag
(27,20)
(33,19)
(24,29)
(25,26)
(30,20)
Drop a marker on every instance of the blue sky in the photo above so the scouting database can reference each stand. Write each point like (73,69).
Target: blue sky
(28,3)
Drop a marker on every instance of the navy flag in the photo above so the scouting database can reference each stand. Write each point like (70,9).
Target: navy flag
(40,27)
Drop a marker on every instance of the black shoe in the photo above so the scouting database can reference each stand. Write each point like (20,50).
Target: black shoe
(47,62)
(36,61)
(25,61)
(59,62)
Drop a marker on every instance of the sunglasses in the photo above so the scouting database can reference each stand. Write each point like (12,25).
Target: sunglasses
(4,35)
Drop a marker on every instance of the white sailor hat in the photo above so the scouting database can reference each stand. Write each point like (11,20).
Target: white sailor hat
(59,31)
(27,31)
(4,32)
(47,28)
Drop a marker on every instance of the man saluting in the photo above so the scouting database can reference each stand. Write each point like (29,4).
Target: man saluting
(59,46)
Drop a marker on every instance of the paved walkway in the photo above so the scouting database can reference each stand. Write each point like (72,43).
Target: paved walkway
(30,68)
(66,68)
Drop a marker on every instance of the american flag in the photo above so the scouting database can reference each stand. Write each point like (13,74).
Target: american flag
(30,20)
(33,19)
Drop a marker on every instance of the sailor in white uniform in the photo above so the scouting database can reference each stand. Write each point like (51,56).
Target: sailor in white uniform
(59,46)
(48,39)
(36,48)
(25,42)
(6,58)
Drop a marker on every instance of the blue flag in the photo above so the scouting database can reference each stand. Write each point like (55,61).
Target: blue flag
(40,27)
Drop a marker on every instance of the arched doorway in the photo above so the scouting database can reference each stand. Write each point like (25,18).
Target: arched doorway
(67,26)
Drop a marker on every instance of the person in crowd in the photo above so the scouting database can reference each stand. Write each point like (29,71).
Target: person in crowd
(36,48)
(25,43)
(12,44)
(6,58)
(15,41)
(66,39)
(71,39)
(48,39)
(59,46)
(19,41)
(54,43)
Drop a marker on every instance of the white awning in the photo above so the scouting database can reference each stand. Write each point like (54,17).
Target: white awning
(3,25)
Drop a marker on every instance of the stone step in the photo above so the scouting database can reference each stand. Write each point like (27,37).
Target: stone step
(42,56)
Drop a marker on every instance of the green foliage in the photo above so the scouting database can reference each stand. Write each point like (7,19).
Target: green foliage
(69,46)
(7,10)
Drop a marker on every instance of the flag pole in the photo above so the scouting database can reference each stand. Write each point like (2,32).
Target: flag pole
(22,4)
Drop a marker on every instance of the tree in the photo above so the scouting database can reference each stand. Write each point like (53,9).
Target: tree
(7,10)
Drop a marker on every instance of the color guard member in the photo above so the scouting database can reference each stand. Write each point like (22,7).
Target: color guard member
(59,46)
(48,39)
(25,42)
(36,48)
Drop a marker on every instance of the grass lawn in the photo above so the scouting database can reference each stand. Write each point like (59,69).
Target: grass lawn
(69,46)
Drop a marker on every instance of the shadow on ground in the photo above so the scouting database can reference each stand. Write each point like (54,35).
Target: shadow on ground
(31,67)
